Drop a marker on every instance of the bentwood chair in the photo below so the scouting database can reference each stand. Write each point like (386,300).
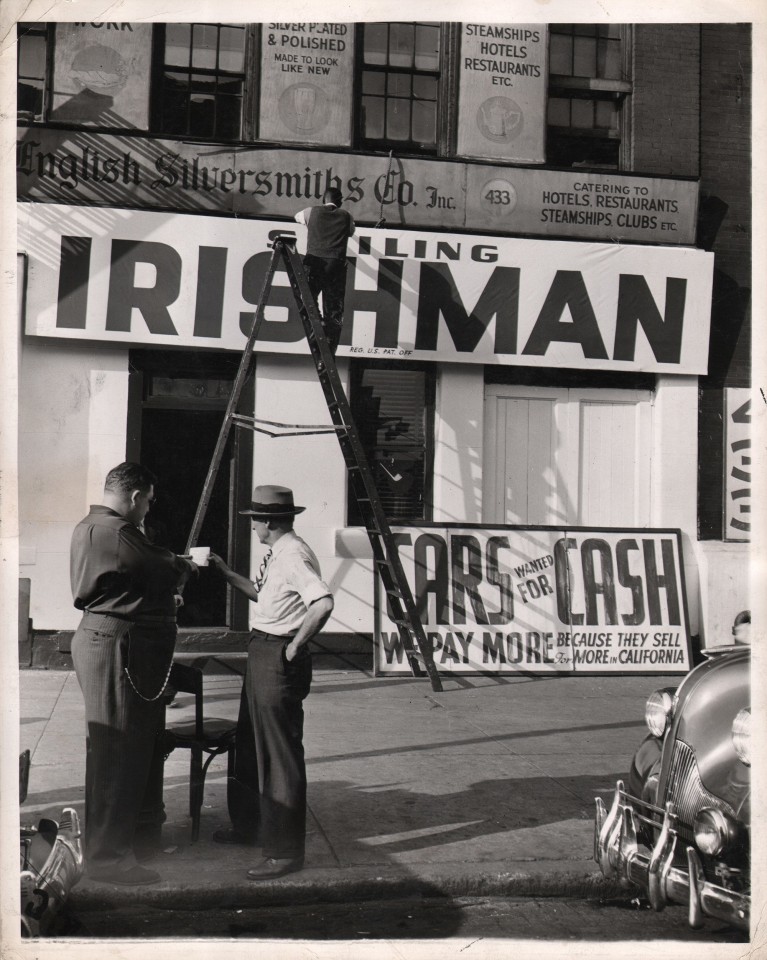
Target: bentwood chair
(211,736)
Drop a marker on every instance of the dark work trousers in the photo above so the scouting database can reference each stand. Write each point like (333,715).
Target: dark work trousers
(328,276)
(124,759)
(267,797)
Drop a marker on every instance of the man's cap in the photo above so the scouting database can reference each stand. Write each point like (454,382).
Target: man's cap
(270,502)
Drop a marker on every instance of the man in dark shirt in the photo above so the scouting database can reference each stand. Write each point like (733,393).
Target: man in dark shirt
(329,227)
(122,653)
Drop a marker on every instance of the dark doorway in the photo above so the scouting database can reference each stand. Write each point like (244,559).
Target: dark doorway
(178,405)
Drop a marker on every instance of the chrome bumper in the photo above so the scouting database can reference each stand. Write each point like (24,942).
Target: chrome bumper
(620,856)
(44,892)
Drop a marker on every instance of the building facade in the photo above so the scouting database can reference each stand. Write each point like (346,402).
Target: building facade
(547,311)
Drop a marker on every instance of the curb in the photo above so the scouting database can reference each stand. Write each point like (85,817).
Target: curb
(328,889)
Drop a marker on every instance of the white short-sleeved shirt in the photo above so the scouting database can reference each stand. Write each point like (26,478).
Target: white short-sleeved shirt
(293,582)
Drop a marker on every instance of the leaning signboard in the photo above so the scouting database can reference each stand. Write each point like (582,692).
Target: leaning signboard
(542,600)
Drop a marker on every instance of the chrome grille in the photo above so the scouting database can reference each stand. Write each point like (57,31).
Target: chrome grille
(687,792)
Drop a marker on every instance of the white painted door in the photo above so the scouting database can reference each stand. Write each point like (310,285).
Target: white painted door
(557,456)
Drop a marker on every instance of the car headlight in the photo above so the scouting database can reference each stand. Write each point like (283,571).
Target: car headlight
(741,735)
(714,831)
(658,711)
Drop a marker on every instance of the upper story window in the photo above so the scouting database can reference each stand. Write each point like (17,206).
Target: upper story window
(588,88)
(399,85)
(201,80)
(32,56)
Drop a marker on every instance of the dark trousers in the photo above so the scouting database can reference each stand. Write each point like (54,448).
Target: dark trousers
(267,796)
(328,277)
(124,758)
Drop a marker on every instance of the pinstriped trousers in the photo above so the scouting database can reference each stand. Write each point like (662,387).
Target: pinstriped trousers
(267,796)
(123,760)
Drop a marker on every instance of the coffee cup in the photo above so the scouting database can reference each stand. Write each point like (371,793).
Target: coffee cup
(199,555)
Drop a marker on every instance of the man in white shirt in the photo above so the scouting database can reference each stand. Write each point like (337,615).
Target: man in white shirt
(267,798)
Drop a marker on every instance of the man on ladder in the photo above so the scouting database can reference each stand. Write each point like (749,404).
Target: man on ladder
(329,228)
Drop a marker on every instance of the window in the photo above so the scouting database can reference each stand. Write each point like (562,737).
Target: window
(31,70)
(588,86)
(201,80)
(393,407)
(399,85)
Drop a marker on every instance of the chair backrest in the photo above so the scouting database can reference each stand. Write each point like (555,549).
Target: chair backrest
(188,679)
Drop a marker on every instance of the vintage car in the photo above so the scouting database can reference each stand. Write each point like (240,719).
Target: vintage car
(680,827)
(51,863)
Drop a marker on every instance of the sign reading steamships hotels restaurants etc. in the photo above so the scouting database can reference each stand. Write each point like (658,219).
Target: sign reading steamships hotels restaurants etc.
(186,281)
(502,91)
(543,600)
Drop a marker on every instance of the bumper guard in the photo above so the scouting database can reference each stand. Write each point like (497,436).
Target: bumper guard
(621,857)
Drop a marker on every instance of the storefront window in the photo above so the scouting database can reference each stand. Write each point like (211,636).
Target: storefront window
(201,80)
(393,407)
(399,84)
(588,87)
(31,67)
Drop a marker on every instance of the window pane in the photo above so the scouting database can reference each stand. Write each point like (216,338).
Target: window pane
(559,112)
(373,82)
(231,55)
(607,114)
(425,88)
(202,115)
(398,120)
(30,99)
(373,118)
(401,44)
(426,47)
(585,53)
(582,113)
(398,85)
(376,39)
(560,54)
(424,123)
(177,41)
(32,57)
(204,39)
(228,116)
(609,60)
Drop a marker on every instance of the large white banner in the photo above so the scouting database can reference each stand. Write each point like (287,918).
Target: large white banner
(542,600)
(179,280)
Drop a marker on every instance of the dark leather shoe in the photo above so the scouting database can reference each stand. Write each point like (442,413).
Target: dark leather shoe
(133,877)
(230,835)
(270,868)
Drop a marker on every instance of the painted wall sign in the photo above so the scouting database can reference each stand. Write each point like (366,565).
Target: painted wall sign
(737,463)
(83,168)
(306,82)
(165,279)
(100,74)
(542,600)
(502,91)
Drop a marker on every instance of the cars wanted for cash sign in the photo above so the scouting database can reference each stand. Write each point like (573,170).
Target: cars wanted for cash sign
(542,600)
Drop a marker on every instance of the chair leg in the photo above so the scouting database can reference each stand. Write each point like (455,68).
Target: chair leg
(196,783)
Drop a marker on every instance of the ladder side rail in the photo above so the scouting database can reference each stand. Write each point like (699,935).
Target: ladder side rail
(234,399)
(339,407)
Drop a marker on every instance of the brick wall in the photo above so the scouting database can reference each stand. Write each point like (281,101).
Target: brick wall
(665,102)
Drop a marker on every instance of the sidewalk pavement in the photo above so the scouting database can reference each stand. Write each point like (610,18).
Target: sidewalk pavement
(486,788)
